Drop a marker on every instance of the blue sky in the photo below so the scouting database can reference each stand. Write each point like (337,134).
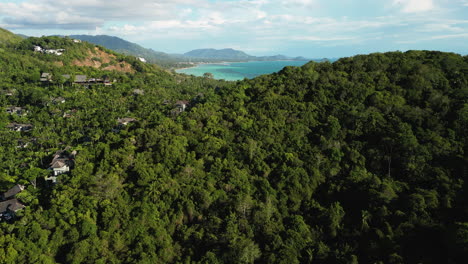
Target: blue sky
(311,28)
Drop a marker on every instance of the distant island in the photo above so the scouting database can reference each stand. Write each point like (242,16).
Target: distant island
(235,55)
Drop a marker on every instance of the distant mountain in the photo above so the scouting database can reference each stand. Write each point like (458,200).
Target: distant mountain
(275,57)
(175,60)
(218,54)
(234,55)
(8,37)
(22,36)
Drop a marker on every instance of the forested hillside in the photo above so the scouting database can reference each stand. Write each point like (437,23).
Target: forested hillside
(8,37)
(363,160)
(122,46)
(219,54)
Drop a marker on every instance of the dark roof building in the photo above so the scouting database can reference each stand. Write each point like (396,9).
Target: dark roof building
(19,127)
(61,163)
(181,105)
(58,100)
(11,205)
(46,77)
(81,79)
(15,110)
(13,191)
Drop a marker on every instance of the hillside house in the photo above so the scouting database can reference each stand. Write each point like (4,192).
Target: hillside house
(125,121)
(58,100)
(81,79)
(16,110)
(142,59)
(104,80)
(77,40)
(69,113)
(57,52)
(9,92)
(46,77)
(22,144)
(20,127)
(61,163)
(10,204)
(107,82)
(12,192)
(182,105)
(9,208)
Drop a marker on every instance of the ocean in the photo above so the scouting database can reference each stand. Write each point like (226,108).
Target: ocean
(233,71)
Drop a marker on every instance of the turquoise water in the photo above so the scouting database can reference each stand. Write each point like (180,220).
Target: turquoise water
(239,70)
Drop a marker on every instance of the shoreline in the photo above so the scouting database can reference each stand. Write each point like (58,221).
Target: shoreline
(228,70)
(196,64)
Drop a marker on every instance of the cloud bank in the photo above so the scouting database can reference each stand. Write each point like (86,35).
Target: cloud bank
(265,24)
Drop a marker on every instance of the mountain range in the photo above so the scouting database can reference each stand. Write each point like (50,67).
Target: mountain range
(169,60)
(232,54)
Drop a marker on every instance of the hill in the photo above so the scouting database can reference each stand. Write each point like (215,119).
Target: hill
(72,53)
(8,37)
(125,47)
(363,160)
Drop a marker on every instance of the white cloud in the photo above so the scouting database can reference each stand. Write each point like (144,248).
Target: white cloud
(186,12)
(414,40)
(298,3)
(449,36)
(251,24)
(414,6)
(261,14)
(87,13)
(322,39)
(438,27)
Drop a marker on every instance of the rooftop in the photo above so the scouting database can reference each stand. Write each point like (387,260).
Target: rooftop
(12,205)
(13,191)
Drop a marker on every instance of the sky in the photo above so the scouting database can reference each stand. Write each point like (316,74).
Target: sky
(310,28)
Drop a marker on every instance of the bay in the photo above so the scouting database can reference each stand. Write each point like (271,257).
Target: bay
(233,71)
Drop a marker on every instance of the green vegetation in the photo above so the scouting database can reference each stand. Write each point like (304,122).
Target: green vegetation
(363,160)
(6,37)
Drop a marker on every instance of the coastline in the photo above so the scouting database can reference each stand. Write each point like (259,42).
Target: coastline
(234,71)
(196,64)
